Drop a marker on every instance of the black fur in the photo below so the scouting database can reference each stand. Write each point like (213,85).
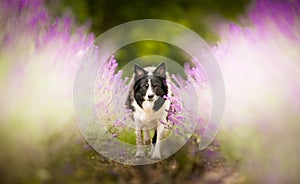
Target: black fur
(154,137)
(158,103)
(159,87)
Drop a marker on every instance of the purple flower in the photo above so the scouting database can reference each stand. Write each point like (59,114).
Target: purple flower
(260,64)
(119,123)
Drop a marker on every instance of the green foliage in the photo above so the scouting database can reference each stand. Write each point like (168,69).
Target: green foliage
(196,15)
(126,135)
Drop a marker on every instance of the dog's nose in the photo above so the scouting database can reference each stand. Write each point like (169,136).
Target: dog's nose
(150,96)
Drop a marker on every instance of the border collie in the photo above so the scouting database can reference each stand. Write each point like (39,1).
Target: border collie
(149,107)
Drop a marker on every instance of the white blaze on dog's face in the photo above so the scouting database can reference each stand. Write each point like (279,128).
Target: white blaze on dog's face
(150,95)
(149,98)
(150,86)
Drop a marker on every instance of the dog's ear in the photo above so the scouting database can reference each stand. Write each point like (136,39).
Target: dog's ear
(139,72)
(160,70)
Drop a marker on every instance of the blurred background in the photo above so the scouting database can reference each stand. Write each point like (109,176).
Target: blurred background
(200,16)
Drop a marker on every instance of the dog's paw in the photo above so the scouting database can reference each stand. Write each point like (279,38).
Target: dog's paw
(152,148)
(156,156)
(140,154)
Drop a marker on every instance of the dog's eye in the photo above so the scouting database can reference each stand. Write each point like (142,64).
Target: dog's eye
(145,86)
(155,85)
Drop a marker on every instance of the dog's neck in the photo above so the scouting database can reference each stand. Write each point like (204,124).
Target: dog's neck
(148,107)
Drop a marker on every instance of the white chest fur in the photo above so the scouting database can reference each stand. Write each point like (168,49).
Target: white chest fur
(146,118)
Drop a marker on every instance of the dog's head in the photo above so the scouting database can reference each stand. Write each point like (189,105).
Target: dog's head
(150,85)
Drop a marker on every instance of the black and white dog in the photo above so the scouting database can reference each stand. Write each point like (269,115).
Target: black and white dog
(149,107)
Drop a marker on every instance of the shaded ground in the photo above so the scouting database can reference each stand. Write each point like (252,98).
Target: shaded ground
(189,165)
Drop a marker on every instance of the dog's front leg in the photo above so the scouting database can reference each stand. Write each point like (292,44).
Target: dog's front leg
(139,144)
(157,149)
(147,140)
